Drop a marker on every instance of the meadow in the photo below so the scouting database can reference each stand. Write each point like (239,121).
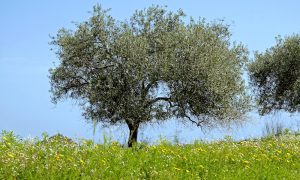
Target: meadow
(61,158)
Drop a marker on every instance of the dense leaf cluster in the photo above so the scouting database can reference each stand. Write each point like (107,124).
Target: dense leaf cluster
(275,75)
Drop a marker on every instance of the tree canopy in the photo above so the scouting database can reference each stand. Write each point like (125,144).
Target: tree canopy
(275,76)
(149,68)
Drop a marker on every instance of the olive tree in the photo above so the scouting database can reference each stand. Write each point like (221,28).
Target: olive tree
(150,68)
(275,76)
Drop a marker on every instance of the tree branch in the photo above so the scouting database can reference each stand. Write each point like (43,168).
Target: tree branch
(198,123)
(104,67)
(167,99)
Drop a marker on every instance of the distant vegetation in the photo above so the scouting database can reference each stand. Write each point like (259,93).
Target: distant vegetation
(61,158)
(275,76)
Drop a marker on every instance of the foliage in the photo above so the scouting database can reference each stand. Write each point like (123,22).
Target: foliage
(57,159)
(275,74)
(150,68)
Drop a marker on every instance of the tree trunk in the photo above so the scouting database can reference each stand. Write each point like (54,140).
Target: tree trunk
(133,134)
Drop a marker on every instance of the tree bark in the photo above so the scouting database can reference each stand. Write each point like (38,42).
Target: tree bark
(133,134)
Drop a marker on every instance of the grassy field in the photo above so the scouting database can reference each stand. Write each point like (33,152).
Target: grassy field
(60,158)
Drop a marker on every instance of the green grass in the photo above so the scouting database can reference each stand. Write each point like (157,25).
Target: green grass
(59,158)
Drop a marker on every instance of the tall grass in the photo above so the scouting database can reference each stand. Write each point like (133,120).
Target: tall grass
(274,128)
(61,158)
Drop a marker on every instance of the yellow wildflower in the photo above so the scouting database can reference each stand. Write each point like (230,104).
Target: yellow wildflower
(81,161)
(246,162)
(57,157)
(200,149)
(201,167)
(177,169)
(10,155)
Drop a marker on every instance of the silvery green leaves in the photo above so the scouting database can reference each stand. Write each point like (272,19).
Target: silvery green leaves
(151,68)
(275,76)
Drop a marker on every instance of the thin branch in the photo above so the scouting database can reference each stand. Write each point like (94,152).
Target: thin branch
(167,99)
(198,123)
(104,67)
(147,88)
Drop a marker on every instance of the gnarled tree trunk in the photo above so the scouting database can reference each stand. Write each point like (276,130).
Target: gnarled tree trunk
(133,134)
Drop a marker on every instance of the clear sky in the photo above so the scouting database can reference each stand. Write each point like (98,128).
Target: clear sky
(25,58)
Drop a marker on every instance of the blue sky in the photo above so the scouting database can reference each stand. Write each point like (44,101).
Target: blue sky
(25,58)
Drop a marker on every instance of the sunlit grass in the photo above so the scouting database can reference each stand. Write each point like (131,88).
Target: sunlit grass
(60,158)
